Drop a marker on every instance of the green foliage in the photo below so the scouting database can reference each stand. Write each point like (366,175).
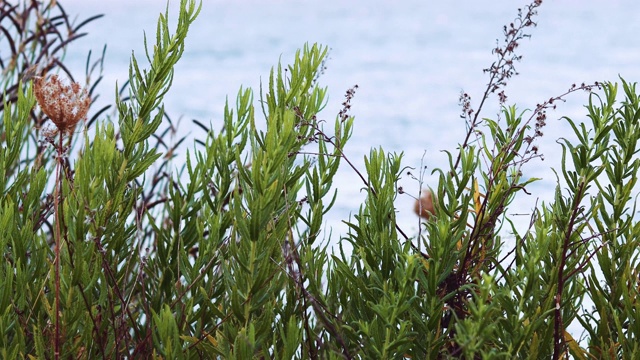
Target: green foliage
(117,255)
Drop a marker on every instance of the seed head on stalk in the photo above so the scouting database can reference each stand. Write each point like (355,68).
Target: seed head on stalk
(64,104)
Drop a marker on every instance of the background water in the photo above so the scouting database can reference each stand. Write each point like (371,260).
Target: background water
(410,59)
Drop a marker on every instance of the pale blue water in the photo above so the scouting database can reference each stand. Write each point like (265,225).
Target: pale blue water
(410,59)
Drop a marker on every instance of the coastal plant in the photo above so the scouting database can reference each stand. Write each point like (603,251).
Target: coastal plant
(115,248)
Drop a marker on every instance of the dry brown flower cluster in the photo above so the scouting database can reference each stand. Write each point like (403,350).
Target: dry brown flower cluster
(64,104)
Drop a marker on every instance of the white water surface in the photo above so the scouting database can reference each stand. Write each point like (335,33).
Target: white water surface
(410,60)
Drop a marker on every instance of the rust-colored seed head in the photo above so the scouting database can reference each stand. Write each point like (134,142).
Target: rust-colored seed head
(424,206)
(64,104)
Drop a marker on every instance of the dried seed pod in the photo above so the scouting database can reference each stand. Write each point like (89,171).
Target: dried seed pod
(424,206)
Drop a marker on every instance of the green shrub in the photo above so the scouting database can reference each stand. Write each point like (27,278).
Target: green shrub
(110,253)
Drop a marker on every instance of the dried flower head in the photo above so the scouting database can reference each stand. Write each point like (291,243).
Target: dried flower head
(64,104)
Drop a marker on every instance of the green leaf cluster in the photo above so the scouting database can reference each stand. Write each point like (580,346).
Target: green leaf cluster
(225,256)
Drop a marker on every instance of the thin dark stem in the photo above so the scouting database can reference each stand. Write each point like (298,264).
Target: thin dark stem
(558,338)
(474,123)
(56,205)
(364,180)
(532,222)
(116,289)
(500,71)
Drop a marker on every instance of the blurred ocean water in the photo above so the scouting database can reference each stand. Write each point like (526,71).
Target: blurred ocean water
(409,58)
